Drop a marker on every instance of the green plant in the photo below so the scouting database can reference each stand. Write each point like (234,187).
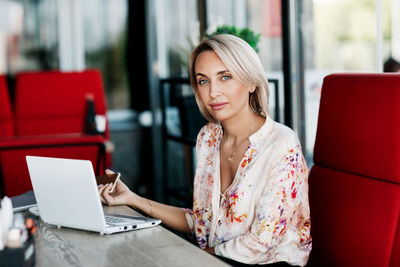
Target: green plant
(245,33)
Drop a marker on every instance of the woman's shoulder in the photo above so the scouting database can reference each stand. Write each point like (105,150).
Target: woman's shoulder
(211,129)
(284,145)
(283,137)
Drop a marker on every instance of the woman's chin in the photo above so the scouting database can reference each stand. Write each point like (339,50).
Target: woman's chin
(221,117)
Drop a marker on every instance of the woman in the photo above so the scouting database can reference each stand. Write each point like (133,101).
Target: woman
(250,188)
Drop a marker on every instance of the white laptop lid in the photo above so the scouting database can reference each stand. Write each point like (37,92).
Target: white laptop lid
(66,192)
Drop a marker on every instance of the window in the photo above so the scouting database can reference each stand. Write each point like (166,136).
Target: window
(339,36)
(261,16)
(105,27)
(36,46)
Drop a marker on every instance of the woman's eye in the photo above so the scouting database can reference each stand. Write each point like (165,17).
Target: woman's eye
(202,82)
(226,77)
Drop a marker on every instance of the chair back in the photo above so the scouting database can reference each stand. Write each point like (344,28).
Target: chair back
(355,180)
(55,102)
(6,115)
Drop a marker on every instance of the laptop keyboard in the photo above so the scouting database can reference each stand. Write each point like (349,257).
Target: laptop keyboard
(117,220)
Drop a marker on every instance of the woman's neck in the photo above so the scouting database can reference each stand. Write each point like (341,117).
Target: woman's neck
(238,129)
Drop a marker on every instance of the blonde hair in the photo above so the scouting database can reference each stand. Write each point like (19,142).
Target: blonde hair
(244,64)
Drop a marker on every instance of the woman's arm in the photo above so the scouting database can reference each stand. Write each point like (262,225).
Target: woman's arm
(172,216)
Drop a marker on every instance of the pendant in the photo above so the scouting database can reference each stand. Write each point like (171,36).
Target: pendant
(230,158)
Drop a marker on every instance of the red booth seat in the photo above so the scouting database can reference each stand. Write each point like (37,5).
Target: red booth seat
(49,117)
(54,102)
(6,119)
(355,181)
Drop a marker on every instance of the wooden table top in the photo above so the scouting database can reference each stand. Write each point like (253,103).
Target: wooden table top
(154,246)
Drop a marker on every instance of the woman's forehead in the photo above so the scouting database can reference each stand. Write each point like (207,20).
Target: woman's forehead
(209,62)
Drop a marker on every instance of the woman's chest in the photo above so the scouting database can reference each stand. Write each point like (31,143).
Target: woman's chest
(236,211)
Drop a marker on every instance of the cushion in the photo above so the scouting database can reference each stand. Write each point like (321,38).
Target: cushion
(6,117)
(55,102)
(359,125)
(352,216)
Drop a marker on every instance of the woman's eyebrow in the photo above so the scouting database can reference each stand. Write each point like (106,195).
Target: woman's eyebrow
(222,71)
(218,73)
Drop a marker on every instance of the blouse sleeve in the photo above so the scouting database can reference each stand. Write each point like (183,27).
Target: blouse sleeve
(189,219)
(281,197)
(201,138)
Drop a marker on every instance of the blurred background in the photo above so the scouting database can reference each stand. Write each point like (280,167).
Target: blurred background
(142,49)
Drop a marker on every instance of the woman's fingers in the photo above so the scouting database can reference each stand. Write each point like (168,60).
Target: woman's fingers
(101,187)
(106,194)
(109,172)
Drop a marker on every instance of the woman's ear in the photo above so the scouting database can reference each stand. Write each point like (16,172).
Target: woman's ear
(252,89)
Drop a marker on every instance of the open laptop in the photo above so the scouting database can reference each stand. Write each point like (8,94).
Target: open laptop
(24,201)
(66,193)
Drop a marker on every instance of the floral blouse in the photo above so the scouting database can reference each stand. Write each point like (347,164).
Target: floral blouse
(264,216)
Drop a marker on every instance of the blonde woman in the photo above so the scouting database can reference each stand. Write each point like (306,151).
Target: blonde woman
(251,182)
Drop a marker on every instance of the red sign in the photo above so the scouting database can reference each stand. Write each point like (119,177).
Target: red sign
(271,18)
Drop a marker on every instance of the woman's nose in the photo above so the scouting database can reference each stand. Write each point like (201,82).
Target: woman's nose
(214,90)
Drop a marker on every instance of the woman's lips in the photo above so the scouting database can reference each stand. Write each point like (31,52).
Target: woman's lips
(218,106)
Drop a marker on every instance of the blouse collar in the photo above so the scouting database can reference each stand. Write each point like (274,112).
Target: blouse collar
(262,133)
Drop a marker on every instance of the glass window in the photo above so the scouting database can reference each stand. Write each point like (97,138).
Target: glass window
(339,36)
(36,47)
(391,34)
(264,16)
(105,25)
(177,35)
(261,16)
(104,22)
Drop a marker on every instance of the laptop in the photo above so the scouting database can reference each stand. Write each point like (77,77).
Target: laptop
(24,201)
(66,194)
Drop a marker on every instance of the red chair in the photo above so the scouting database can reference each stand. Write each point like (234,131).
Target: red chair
(355,182)
(6,116)
(54,102)
(50,111)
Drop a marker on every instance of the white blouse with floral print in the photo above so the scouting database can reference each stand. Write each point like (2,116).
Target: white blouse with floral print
(264,216)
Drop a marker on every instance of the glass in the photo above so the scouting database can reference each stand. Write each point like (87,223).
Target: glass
(177,35)
(339,36)
(264,16)
(261,16)
(36,47)
(105,27)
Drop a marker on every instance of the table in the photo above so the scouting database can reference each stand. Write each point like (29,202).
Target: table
(154,246)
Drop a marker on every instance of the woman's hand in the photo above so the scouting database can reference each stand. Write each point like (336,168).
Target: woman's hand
(172,216)
(121,195)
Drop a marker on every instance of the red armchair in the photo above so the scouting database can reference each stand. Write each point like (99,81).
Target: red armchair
(355,182)
(54,102)
(6,117)
(50,111)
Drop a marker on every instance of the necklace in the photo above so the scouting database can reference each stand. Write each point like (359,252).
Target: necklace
(232,154)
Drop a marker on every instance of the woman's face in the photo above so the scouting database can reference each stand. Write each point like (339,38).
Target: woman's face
(223,96)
